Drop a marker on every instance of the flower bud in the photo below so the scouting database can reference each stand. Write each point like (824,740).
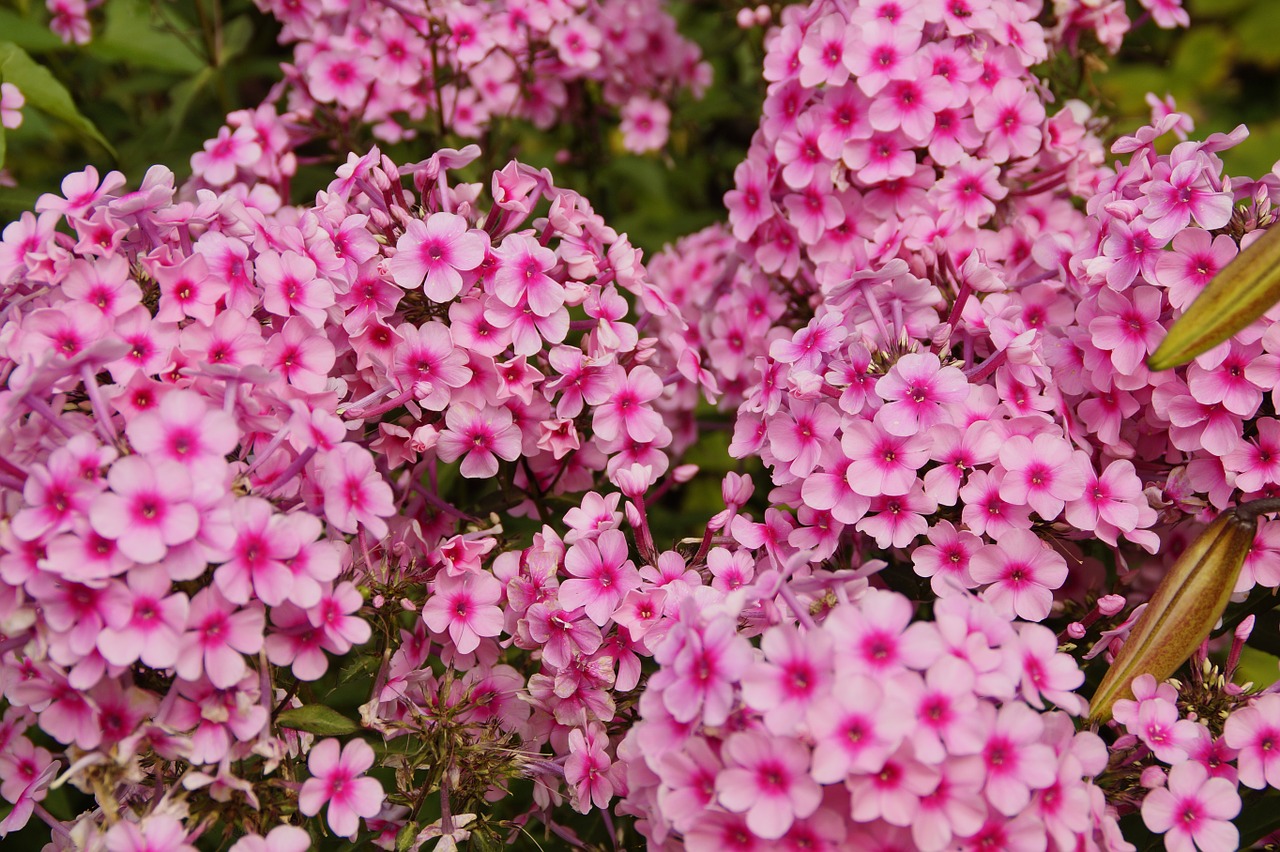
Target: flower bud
(1182,612)
(1238,295)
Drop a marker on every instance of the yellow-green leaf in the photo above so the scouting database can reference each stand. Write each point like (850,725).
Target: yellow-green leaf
(43,91)
(1238,295)
(317,719)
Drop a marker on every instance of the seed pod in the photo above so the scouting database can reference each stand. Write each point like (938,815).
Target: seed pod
(1238,295)
(1184,609)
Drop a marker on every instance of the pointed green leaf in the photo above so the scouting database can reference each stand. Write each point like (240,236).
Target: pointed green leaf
(1238,295)
(43,91)
(317,719)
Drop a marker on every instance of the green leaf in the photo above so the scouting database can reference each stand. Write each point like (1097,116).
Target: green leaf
(133,37)
(43,91)
(317,719)
(406,836)
(184,95)
(235,38)
(28,33)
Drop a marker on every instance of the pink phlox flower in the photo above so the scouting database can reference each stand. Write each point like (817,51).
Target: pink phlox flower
(1168,14)
(224,154)
(561,634)
(27,770)
(148,509)
(427,361)
(877,635)
(1043,473)
(1256,462)
(1011,117)
(282,838)
(54,496)
(184,429)
(1044,672)
(433,254)
(767,778)
(1183,192)
(592,516)
(602,575)
(958,451)
(354,494)
(1194,811)
(521,274)
(1220,376)
(1197,256)
(1015,760)
(795,674)
(822,52)
(337,780)
(688,783)
(704,670)
(626,409)
(945,559)
(882,53)
(805,349)
(944,711)
(1022,571)
(11,103)
(897,521)
(915,390)
(81,191)
(1254,731)
(144,620)
(985,512)
(730,569)
(892,793)
(217,635)
(335,614)
(155,833)
(882,463)
(291,286)
(300,355)
(259,542)
(803,435)
(1128,326)
(855,726)
(466,608)
(645,124)
(587,766)
(479,436)
(1128,249)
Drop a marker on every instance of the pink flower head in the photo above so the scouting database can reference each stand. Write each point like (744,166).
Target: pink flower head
(148,509)
(1254,730)
(915,390)
(767,778)
(602,575)
(1043,473)
(337,780)
(1022,572)
(1194,811)
(434,254)
(465,607)
(478,436)
(354,493)
(183,429)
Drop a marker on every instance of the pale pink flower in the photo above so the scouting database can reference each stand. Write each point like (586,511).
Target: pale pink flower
(1254,730)
(1022,572)
(337,779)
(478,436)
(466,608)
(602,575)
(1194,811)
(767,778)
(148,509)
(434,254)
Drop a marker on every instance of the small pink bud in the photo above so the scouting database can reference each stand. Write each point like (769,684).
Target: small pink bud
(1244,628)
(685,472)
(746,18)
(763,14)
(1076,630)
(633,515)
(1152,777)
(408,605)
(1109,605)
(736,489)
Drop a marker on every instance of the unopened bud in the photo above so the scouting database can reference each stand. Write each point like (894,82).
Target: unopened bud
(1110,605)
(1184,609)
(1239,294)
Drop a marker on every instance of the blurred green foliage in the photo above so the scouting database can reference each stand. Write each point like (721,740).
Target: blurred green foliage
(1223,71)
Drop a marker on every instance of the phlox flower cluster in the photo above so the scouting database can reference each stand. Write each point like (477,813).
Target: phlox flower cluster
(883,310)
(867,730)
(226,423)
(461,66)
